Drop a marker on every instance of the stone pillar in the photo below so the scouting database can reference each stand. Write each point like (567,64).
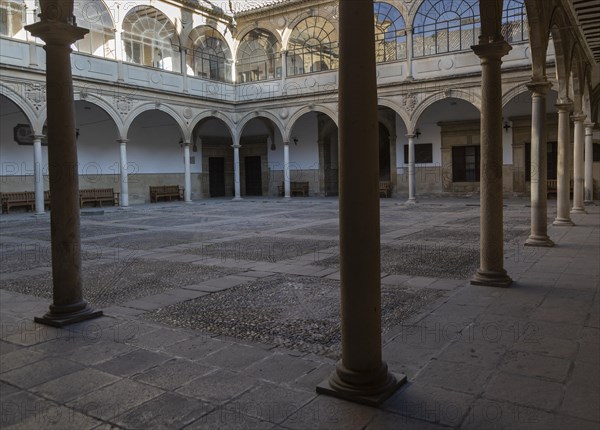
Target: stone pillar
(38,175)
(412,186)
(409,53)
(286,169)
(491,270)
(187,191)
(589,155)
(119,53)
(578,208)
(183,65)
(123,168)
(360,375)
(236,169)
(283,72)
(539,166)
(563,218)
(393,164)
(59,33)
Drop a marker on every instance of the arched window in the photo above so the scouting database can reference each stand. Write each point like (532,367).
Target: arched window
(514,21)
(12,18)
(313,47)
(209,56)
(94,16)
(445,26)
(390,33)
(258,57)
(149,39)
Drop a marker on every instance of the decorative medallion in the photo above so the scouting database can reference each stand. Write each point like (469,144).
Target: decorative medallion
(284,113)
(409,101)
(187,112)
(123,105)
(36,95)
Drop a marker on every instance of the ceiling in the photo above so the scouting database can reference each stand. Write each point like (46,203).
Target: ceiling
(588,14)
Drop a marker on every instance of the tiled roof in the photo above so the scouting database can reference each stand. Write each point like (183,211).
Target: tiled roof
(248,5)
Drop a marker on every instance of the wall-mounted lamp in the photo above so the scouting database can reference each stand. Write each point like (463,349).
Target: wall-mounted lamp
(76,133)
(181,143)
(506,126)
(295,139)
(271,143)
(417,133)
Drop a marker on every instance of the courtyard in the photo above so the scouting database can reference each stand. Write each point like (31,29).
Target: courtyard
(222,314)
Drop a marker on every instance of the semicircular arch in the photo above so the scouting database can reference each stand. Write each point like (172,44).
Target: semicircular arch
(135,113)
(33,118)
(454,93)
(307,109)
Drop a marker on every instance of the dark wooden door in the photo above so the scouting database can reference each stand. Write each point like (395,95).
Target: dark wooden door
(253,176)
(216,176)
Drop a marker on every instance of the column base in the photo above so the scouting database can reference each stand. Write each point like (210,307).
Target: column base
(578,210)
(287,197)
(124,208)
(589,203)
(236,199)
(61,319)
(372,389)
(542,241)
(563,222)
(487,278)
(187,201)
(39,214)
(411,201)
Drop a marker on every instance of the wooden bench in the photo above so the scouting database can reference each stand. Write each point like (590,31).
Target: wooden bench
(385,188)
(18,199)
(296,188)
(164,192)
(553,187)
(98,196)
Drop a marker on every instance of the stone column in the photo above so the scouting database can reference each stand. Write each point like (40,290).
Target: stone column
(589,155)
(59,33)
(286,169)
(187,191)
(412,186)
(283,72)
(123,168)
(360,375)
(236,169)
(491,270)
(119,53)
(563,218)
(183,65)
(578,208)
(393,165)
(539,166)
(38,175)
(409,53)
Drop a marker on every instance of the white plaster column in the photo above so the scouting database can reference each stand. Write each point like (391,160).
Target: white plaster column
(563,176)
(38,175)
(283,71)
(183,62)
(286,169)
(539,166)
(187,191)
(589,155)
(491,269)
(57,30)
(360,375)
(124,179)
(236,169)
(412,186)
(119,53)
(578,207)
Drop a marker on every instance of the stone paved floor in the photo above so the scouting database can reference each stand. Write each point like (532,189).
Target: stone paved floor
(477,358)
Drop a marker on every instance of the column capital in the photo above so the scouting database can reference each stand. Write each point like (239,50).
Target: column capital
(411,135)
(123,141)
(236,146)
(492,51)
(579,117)
(57,33)
(286,143)
(565,105)
(41,136)
(589,126)
(539,88)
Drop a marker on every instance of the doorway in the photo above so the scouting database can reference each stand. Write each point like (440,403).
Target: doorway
(216,176)
(253,175)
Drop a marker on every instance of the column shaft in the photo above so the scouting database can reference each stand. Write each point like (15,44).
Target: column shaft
(491,271)
(187,191)
(123,167)
(589,155)
(539,166)
(412,186)
(578,164)
(236,171)
(38,175)
(68,304)
(563,218)
(286,170)
(361,375)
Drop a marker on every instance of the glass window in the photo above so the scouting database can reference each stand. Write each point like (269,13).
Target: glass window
(209,56)
(465,164)
(390,33)
(514,21)
(148,38)
(94,16)
(12,18)
(313,47)
(445,26)
(258,57)
(423,153)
